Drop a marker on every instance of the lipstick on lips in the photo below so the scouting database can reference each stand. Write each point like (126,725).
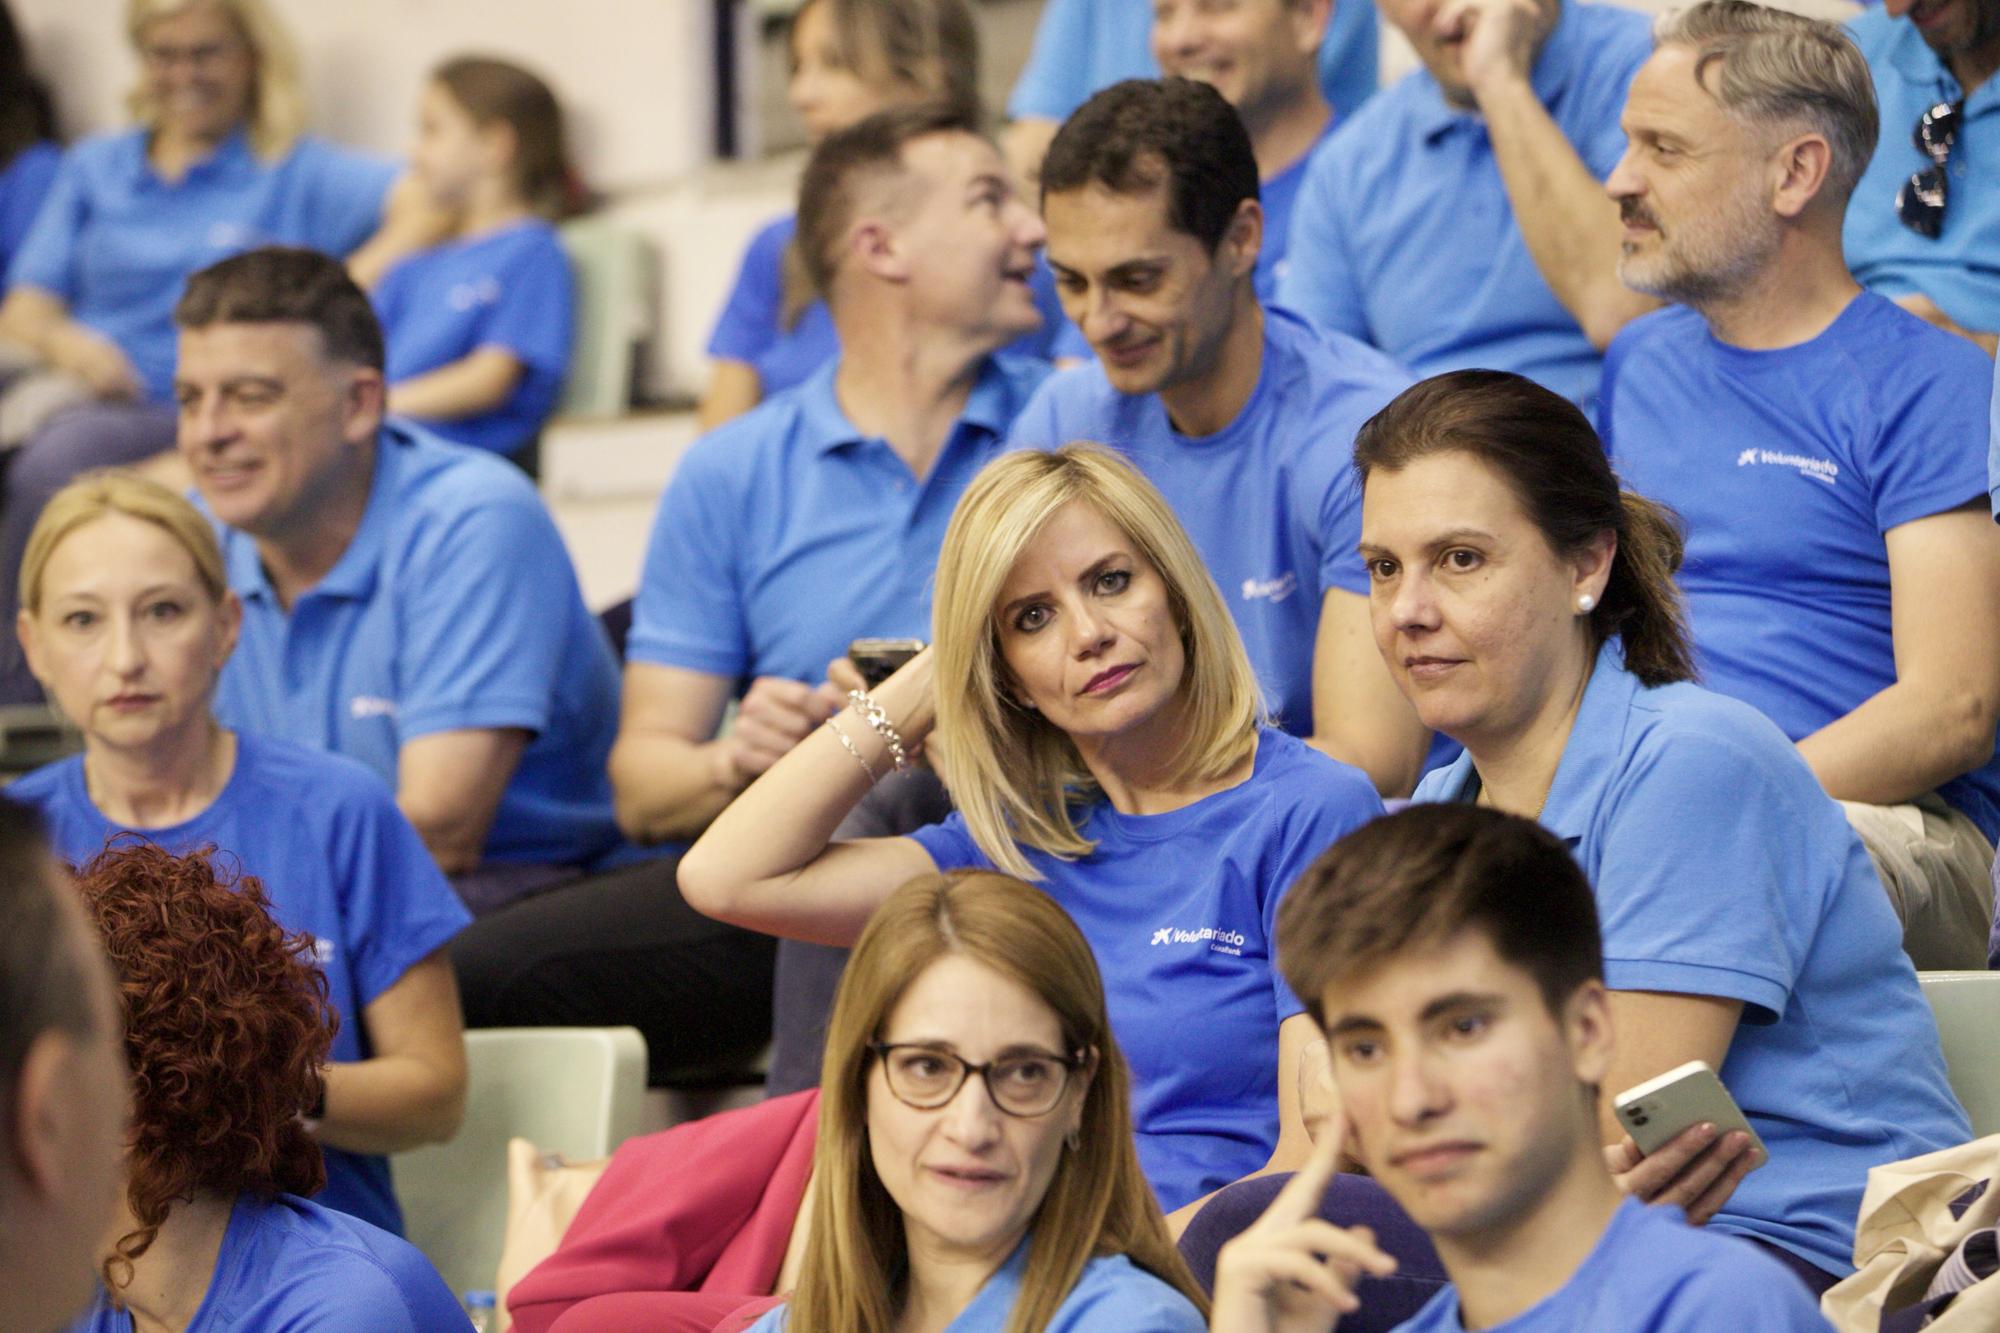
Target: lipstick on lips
(1110,678)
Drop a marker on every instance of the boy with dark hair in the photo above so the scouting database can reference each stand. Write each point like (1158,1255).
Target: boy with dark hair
(1451,955)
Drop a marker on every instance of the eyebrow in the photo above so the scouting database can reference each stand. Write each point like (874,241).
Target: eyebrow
(1449,537)
(1086,576)
(1438,1008)
(1013,1049)
(1123,269)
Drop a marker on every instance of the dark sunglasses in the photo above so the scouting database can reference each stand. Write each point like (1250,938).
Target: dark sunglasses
(1920,203)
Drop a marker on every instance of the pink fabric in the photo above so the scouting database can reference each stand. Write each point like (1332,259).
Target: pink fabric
(704,1208)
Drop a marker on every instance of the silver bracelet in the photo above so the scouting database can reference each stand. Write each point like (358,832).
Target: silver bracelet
(879,721)
(847,743)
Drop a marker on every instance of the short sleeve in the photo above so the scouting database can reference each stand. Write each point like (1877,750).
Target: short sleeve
(1319,280)
(1697,893)
(336,1291)
(1135,1302)
(534,316)
(347,191)
(689,610)
(950,846)
(396,908)
(1337,803)
(1921,465)
(1993,450)
(1038,422)
(26,184)
(482,620)
(47,258)
(1053,82)
(748,324)
(1607,386)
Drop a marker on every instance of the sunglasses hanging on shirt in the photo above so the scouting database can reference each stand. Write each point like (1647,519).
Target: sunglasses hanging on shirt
(1920,203)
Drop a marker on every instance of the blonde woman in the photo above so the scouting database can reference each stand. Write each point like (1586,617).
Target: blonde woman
(1101,731)
(217,163)
(127,618)
(974,1166)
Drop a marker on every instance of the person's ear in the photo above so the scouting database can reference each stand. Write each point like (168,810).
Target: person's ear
(29,634)
(499,146)
(37,1119)
(230,617)
(1586,1022)
(872,244)
(1243,239)
(1799,170)
(1309,19)
(364,403)
(1590,570)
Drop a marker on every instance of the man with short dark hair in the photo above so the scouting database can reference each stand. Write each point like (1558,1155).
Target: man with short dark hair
(1451,955)
(64,1099)
(1822,447)
(1244,416)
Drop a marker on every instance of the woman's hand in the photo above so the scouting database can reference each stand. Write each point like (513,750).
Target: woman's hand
(1292,1271)
(96,360)
(1697,1169)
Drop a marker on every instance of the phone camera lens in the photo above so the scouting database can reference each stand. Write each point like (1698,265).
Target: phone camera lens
(1638,1117)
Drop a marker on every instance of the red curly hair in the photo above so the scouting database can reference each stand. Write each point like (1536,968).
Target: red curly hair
(227,1026)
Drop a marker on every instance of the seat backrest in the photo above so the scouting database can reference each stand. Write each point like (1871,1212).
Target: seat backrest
(1967,1005)
(613,268)
(575,1091)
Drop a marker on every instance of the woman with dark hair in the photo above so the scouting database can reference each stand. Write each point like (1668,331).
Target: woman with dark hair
(1527,608)
(975,1166)
(28,154)
(227,1030)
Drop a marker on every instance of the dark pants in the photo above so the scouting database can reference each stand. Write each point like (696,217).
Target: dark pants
(92,435)
(624,948)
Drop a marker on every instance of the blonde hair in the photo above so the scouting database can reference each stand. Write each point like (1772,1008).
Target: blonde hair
(1015,776)
(1097,1204)
(118,491)
(277,97)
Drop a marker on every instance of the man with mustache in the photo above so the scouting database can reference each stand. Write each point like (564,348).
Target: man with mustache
(1457,219)
(1822,447)
(1925,231)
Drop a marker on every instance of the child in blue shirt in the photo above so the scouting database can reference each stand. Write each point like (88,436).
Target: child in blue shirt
(478,328)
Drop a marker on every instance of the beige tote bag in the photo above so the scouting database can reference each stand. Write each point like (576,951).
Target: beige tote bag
(1906,1232)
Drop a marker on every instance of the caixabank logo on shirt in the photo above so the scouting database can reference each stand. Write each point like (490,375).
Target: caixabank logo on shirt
(1819,469)
(1222,941)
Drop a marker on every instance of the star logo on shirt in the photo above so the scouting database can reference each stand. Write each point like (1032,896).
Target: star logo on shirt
(1164,935)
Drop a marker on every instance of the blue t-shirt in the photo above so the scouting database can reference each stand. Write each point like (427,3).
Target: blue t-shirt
(1112,1292)
(1723,869)
(751,326)
(291,1266)
(454,608)
(508,289)
(1180,909)
(1404,236)
(344,867)
(1788,467)
(115,243)
(787,533)
(1270,500)
(1082,46)
(1651,1272)
(24,183)
(1993,452)
(1960,269)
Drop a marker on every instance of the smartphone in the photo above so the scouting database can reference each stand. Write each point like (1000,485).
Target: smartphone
(1658,1109)
(878,659)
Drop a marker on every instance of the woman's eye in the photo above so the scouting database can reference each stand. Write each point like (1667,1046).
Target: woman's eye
(922,1066)
(164,610)
(1114,581)
(1461,559)
(1027,1073)
(1031,618)
(80,619)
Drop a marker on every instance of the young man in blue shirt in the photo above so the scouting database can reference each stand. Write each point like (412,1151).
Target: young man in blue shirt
(1822,448)
(1457,221)
(1451,955)
(1926,230)
(1242,415)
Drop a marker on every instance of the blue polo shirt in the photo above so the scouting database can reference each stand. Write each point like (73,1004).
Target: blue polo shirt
(344,867)
(292,1265)
(751,327)
(786,534)
(453,608)
(1960,270)
(510,289)
(1180,909)
(1723,869)
(1084,45)
(1650,1272)
(24,183)
(1788,467)
(1270,500)
(114,242)
(1404,236)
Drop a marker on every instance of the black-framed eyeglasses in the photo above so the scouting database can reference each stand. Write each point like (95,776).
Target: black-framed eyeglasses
(1019,1085)
(1920,203)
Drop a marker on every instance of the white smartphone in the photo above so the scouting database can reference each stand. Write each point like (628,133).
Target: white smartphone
(1660,1108)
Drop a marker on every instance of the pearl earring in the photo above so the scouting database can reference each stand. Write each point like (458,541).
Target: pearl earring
(1586,604)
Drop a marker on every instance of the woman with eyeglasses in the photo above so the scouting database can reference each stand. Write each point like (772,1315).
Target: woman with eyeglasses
(1090,707)
(974,1168)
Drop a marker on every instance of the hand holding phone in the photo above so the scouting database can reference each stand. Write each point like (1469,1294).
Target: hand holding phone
(1670,1155)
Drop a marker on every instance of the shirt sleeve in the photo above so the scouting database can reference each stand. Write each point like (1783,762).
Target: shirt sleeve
(1319,280)
(1037,424)
(689,612)
(1696,894)
(748,324)
(47,258)
(1920,465)
(1993,451)
(533,317)
(950,846)
(1052,82)
(348,191)
(482,593)
(27,183)
(396,907)
(1332,805)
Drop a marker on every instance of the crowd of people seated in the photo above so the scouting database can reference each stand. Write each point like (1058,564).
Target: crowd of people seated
(1577,442)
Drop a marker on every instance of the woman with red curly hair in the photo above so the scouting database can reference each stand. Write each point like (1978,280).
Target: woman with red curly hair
(227,1029)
